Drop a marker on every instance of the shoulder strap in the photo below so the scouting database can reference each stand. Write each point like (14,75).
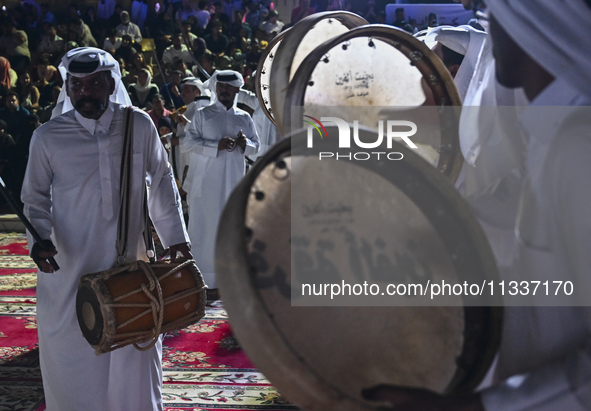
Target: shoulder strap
(125,184)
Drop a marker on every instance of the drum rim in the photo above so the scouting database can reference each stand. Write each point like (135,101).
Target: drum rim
(296,91)
(280,359)
(278,38)
(281,69)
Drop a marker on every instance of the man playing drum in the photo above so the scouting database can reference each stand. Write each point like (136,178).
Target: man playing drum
(71,195)
(545,357)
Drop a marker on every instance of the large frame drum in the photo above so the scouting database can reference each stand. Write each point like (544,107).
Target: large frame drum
(378,66)
(297,43)
(321,358)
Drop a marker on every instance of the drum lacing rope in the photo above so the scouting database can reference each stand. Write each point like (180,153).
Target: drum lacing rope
(156,305)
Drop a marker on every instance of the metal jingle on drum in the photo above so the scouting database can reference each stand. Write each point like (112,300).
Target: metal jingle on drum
(396,73)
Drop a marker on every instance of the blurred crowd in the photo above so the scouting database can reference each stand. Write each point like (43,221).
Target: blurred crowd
(156,46)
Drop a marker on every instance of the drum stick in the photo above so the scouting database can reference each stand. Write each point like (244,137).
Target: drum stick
(26,222)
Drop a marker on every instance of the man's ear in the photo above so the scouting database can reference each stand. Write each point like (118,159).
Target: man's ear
(111,85)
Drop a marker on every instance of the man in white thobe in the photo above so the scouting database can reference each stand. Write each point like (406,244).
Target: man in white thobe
(545,353)
(71,195)
(219,136)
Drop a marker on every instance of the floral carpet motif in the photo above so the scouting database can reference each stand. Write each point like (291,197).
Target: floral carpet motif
(203,365)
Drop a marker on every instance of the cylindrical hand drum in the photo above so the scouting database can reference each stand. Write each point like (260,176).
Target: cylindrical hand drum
(263,76)
(370,72)
(293,217)
(136,303)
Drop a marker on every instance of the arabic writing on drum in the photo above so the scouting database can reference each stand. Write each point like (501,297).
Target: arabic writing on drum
(355,84)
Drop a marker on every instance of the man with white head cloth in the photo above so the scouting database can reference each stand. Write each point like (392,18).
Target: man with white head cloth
(219,137)
(71,195)
(545,353)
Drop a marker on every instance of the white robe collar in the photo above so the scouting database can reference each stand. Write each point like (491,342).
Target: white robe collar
(92,126)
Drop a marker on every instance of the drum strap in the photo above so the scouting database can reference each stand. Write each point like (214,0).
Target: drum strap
(125,184)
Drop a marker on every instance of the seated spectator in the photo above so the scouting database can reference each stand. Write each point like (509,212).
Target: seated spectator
(14,115)
(139,13)
(51,45)
(202,15)
(207,62)
(128,28)
(7,158)
(181,66)
(178,51)
(255,13)
(14,44)
(112,41)
(158,111)
(124,72)
(125,50)
(28,94)
(303,10)
(143,91)
(171,91)
(44,113)
(138,64)
(221,16)
(184,12)
(115,18)
(216,42)
(272,26)
(164,31)
(188,37)
(105,9)
(46,16)
(85,37)
(89,18)
(5,80)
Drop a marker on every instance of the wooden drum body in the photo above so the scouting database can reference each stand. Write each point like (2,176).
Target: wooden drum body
(136,303)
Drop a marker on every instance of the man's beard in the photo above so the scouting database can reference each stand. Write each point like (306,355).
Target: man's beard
(96,103)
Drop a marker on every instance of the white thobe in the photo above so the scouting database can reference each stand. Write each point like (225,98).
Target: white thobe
(130,29)
(214,174)
(268,134)
(71,195)
(548,349)
(492,172)
(171,54)
(181,160)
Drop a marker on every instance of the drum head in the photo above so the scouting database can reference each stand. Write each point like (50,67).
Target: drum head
(298,42)
(263,77)
(321,358)
(380,66)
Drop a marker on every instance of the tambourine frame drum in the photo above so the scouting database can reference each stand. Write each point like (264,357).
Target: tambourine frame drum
(263,77)
(435,74)
(135,303)
(294,47)
(258,326)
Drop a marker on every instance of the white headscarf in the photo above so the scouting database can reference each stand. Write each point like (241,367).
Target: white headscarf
(464,40)
(230,77)
(194,81)
(82,62)
(552,33)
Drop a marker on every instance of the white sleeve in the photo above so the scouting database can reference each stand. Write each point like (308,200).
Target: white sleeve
(195,142)
(253,143)
(164,202)
(566,383)
(36,191)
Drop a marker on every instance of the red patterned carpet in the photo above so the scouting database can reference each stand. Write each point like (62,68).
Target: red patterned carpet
(204,367)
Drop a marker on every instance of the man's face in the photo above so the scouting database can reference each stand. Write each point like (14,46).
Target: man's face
(158,103)
(90,94)
(509,57)
(50,31)
(466,3)
(175,79)
(12,102)
(226,93)
(188,93)
(400,15)
(176,42)
(125,18)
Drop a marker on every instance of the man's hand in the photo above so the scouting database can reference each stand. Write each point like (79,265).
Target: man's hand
(416,399)
(184,248)
(40,257)
(241,140)
(227,143)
